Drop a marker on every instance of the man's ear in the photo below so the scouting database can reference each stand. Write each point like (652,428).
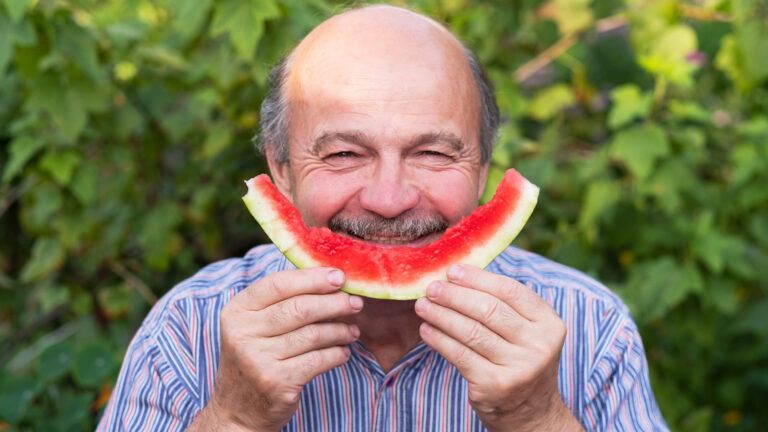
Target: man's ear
(483,179)
(281,174)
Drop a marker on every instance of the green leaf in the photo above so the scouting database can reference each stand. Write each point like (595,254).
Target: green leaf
(688,110)
(16,394)
(722,295)
(47,255)
(22,149)
(751,37)
(68,100)
(657,286)
(601,196)
(243,21)
(75,43)
(60,165)
(550,101)
(747,162)
(218,138)
(164,56)
(571,15)
(158,237)
(715,248)
(639,147)
(93,363)
(16,8)
(668,55)
(55,361)
(41,204)
(188,16)
(628,104)
(84,184)
(6,42)
(752,318)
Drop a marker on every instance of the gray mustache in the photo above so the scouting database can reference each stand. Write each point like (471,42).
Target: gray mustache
(406,225)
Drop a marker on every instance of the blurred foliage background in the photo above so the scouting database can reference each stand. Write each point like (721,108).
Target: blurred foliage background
(125,132)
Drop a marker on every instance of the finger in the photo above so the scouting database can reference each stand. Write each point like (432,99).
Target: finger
(313,337)
(469,363)
(518,296)
(463,329)
(283,285)
(481,307)
(303,368)
(296,312)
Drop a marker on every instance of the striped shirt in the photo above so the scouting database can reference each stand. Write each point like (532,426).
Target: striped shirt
(170,367)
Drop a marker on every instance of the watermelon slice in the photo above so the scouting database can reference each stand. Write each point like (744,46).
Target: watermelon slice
(401,272)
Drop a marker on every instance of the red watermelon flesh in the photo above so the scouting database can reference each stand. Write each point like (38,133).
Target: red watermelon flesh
(400,272)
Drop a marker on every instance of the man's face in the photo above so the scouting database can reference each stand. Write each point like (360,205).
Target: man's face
(384,146)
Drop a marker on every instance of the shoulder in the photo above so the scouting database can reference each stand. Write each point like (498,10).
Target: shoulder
(214,285)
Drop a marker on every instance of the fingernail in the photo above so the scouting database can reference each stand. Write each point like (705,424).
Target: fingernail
(433,290)
(455,272)
(336,277)
(421,304)
(356,302)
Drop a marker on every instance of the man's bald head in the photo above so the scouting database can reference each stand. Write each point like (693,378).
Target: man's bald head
(366,42)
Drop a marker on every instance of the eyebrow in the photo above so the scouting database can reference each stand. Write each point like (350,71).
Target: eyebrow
(351,137)
(361,139)
(448,138)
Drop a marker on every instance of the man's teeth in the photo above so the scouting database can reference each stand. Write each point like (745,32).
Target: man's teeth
(390,240)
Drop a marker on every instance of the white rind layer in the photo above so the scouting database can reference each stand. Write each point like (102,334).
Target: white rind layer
(480,256)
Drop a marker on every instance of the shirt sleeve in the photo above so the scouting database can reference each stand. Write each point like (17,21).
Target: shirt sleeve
(619,390)
(148,395)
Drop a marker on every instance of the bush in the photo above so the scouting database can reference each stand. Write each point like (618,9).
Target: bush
(125,138)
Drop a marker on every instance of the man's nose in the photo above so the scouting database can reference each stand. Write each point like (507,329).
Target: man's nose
(388,193)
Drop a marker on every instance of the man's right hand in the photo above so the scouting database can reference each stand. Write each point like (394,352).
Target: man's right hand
(276,335)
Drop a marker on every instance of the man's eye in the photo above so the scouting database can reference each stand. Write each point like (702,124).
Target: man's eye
(434,154)
(341,155)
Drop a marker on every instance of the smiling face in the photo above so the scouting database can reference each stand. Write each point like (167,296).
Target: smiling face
(384,140)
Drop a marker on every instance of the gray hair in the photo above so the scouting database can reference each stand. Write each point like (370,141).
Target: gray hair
(275,115)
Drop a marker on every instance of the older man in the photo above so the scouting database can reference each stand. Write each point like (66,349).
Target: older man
(380,125)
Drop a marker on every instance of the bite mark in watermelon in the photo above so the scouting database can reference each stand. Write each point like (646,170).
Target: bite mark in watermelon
(401,272)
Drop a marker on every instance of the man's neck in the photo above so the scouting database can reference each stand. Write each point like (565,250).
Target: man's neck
(388,329)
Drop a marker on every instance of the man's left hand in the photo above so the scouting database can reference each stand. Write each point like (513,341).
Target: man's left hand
(506,342)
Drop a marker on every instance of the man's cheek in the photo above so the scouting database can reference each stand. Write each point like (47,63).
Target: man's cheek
(317,207)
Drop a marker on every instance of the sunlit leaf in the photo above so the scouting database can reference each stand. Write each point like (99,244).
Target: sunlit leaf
(571,15)
(551,101)
(639,147)
(751,36)
(243,21)
(668,57)
(16,8)
(60,165)
(628,104)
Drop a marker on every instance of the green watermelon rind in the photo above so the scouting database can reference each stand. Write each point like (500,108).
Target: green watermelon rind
(480,256)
